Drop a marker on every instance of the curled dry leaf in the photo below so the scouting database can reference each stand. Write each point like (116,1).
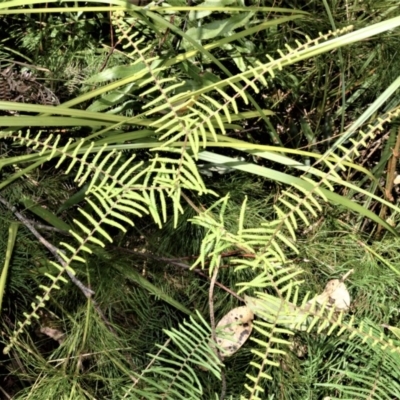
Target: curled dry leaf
(234,329)
(298,348)
(55,334)
(335,295)
(390,220)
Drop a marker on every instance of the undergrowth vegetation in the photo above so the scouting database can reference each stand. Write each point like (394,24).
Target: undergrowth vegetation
(165,163)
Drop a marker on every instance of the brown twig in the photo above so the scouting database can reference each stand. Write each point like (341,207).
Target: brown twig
(5,393)
(48,228)
(390,178)
(191,204)
(148,366)
(85,290)
(212,323)
(53,250)
(114,45)
(226,254)
(178,263)
(211,303)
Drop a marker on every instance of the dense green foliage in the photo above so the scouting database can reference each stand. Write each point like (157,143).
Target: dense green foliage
(160,162)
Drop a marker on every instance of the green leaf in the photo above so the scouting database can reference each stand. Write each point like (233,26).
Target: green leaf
(219,28)
(208,3)
(12,235)
(118,72)
(145,284)
(74,199)
(294,181)
(45,214)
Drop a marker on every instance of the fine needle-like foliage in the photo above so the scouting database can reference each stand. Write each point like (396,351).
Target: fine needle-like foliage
(179,160)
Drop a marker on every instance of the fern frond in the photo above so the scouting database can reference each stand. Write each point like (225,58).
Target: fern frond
(176,375)
(281,311)
(116,191)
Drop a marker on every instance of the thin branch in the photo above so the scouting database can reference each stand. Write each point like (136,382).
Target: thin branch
(225,254)
(212,323)
(211,303)
(5,393)
(191,204)
(148,366)
(179,264)
(391,170)
(53,250)
(48,228)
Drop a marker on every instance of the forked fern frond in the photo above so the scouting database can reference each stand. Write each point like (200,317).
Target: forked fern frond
(117,192)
